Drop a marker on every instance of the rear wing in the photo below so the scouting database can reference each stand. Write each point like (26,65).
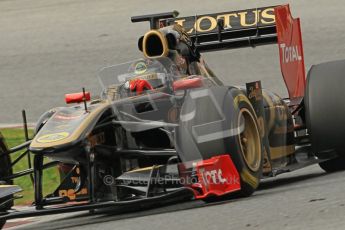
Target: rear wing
(250,28)
(246,28)
(228,30)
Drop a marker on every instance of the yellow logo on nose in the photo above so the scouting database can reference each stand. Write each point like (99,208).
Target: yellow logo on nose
(48,138)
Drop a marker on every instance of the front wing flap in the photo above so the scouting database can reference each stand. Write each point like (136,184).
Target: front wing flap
(216,176)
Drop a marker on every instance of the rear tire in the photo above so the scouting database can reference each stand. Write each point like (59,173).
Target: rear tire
(245,148)
(334,165)
(325,110)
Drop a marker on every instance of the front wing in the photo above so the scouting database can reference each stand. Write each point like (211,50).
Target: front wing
(213,177)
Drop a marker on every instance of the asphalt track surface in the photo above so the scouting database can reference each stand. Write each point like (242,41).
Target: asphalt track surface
(49,48)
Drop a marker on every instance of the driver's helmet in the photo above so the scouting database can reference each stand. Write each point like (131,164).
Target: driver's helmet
(144,79)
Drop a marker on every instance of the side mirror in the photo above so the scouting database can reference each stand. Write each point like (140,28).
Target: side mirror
(184,84)
(77,97)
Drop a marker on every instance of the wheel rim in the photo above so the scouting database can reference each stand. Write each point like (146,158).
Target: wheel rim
(249,139)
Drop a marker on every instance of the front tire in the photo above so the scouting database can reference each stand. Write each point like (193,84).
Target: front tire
(5,170)
(248,156)
(244,146)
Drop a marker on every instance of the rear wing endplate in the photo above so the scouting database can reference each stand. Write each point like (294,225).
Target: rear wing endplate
(291,54)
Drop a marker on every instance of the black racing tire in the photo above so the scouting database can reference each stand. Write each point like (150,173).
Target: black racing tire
(334,165)
(236,108)
(5,169)
(324,108)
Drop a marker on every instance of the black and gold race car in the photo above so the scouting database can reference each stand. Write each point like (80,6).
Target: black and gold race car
(165,128)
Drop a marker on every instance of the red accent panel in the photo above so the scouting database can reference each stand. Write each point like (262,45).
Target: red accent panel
(187,84)
(215,176)
(77,97)
(139,85)
(290,51)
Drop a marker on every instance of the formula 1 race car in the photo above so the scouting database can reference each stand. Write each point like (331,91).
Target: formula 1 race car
(166,129)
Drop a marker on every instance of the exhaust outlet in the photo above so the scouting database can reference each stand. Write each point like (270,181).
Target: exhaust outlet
(155,44)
